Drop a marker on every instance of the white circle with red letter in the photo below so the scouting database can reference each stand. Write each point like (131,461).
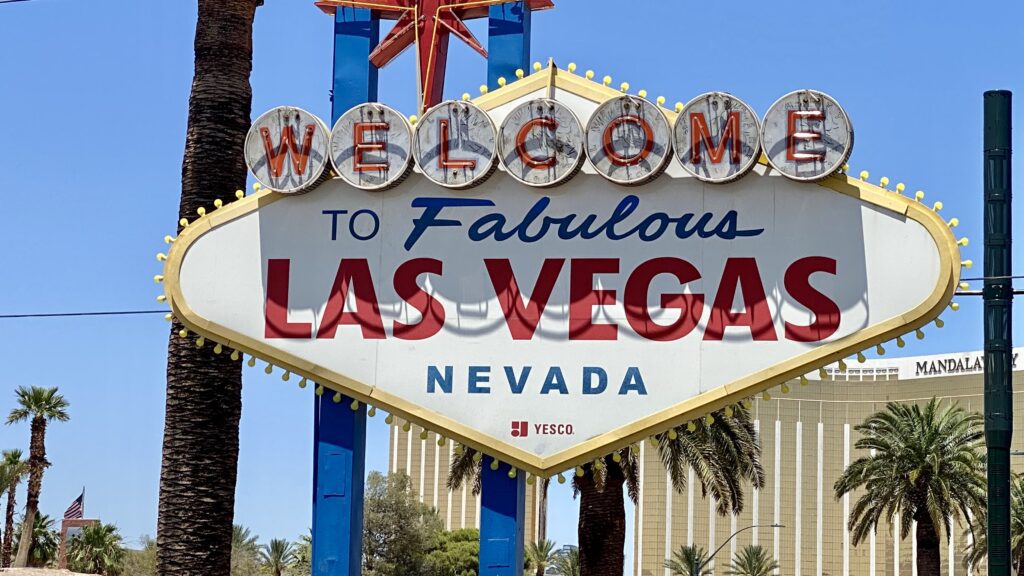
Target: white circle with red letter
(371,147)
(286,149)
(628,140)
(455,144)
(541,143)
(717,137)
(807,135)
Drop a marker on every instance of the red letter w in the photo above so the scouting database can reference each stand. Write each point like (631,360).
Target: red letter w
(287,147)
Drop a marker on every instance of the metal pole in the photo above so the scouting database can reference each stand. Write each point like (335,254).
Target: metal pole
(998,315)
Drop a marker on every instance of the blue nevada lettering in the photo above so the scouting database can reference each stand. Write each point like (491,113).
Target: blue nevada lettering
(593,380)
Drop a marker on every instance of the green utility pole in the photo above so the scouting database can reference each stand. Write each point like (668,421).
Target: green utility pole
(998,295)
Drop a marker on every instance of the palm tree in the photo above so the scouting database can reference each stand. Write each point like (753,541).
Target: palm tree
(96,550)
(542,509)
(689,561)
(43,541)
(723,452)
(40,406)
(12,469)
(243,540)
(304,554)
(928,467)
(977,549)
(277,556)
(753,560)
(204,390)
(568,563)
(540,555)
(245,551)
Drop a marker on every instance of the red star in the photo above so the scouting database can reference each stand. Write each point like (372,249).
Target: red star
(428,24)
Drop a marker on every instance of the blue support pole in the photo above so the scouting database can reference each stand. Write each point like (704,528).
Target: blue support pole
(502,525)
(503,499)
(339,433)
(508,41)
(356,34)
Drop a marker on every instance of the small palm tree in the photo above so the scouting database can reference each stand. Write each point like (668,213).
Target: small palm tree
(304,554)
(96,550)
(43,541)
(753,560)
(38,405)
(13,468)
(568,563)
(540,555)
(928,467)
(689,561)
(277,556)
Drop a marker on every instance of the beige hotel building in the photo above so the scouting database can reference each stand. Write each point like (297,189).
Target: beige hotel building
(807,438)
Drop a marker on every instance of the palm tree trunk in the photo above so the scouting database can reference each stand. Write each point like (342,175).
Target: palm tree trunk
(542,510)
(36,465)
(929,561)
(5,551)
(602,525)
(204,401)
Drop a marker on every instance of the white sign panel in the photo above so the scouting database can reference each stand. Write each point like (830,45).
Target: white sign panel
(593,313)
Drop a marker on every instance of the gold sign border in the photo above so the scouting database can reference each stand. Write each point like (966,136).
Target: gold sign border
(672,416)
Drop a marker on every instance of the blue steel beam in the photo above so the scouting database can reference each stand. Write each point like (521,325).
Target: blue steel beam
(339,433)
(508,42)
(502,526)
(503,499)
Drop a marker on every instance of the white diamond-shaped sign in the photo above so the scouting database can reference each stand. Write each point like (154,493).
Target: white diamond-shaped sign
(549,326)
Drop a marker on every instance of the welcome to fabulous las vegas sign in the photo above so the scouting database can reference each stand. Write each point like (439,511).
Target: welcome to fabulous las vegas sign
(557,269)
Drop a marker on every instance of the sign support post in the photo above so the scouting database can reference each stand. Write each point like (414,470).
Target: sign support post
(502,530)
(508,41)
(339,432)
(503,499)
(998,296)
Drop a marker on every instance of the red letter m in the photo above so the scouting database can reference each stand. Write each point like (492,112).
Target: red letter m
(699,134)
(287,147)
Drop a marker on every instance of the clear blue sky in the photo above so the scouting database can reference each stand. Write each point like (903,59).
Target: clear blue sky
(94,98)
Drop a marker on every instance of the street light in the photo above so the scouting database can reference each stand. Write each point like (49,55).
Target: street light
(733,535)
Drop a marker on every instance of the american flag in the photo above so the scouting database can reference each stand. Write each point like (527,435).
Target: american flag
(77,508)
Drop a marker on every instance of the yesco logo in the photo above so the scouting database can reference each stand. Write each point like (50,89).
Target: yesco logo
(521,429)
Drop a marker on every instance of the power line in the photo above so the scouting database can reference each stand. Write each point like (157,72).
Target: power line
(76,314)
(991,278)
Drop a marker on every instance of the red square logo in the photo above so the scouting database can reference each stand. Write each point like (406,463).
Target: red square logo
(520,429)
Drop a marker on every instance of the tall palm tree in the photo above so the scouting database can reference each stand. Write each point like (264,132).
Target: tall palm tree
(753,560)
(13,468)
(542,509)
(928,467)
(38,405)
(96,549)
(689,561)
(277,556)
(977,549)
(204,390)
(723,453)
(540,555)
(568,563)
